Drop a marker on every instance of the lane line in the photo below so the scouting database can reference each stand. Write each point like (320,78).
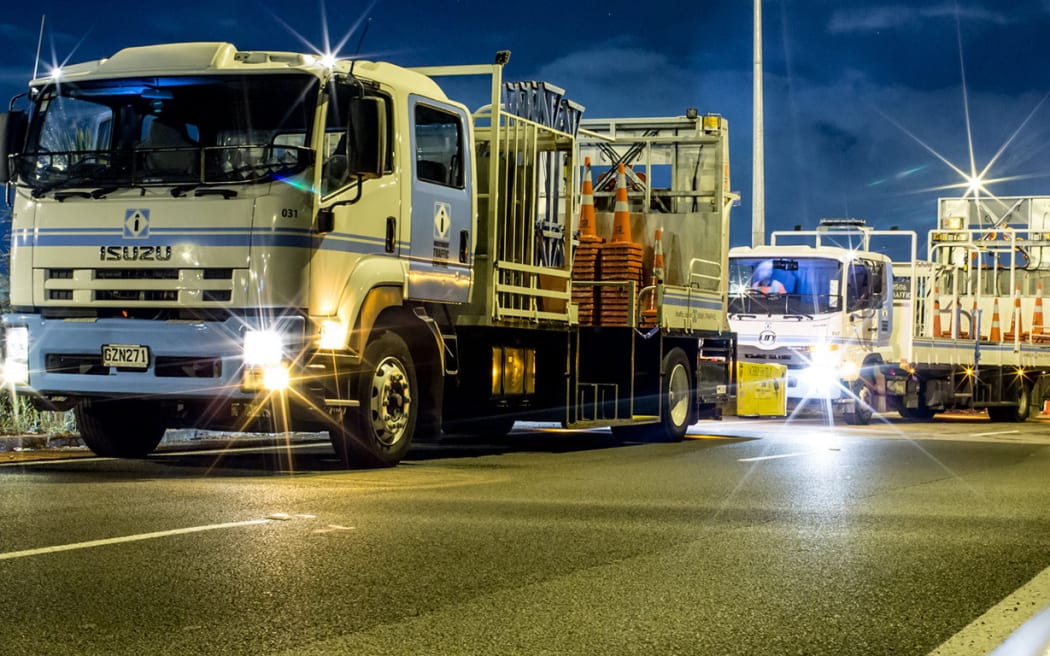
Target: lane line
(51,461)
(164,454)
(1003,620)
(128,538)
(782,455)
(1009,432)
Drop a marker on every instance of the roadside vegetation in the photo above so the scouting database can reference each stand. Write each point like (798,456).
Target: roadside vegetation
(17,414)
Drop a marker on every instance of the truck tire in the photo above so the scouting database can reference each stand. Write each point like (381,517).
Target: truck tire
(676,397)
(862,411)
(917,414)
(677,394)
(379,432)
(129,428)
(1019,412)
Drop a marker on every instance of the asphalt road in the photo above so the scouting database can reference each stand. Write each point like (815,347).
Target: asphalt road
(754,538)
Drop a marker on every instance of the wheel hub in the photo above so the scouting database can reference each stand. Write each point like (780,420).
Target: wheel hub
(391,401)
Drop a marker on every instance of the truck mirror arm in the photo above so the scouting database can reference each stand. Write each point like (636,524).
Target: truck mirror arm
(325,216)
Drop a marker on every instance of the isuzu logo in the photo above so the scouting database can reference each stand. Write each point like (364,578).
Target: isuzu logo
(136,223)
(135,253)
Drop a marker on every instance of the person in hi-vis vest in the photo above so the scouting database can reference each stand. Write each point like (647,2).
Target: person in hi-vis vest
(764,282)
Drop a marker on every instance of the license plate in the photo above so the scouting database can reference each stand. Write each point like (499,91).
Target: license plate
(132,356)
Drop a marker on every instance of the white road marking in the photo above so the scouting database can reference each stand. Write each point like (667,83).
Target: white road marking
(127,538)
(166,454)
(1009,432)
(50,461)
(988,631)
(782,455)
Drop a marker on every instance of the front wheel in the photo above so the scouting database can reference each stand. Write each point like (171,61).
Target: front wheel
(126,428)
(862,411)
(379,432)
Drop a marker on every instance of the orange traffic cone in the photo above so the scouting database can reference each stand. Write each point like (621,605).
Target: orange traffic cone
(996,334)
(658,257)
(1037,313)
(588,226)
(621,211)
(937,313)
(1016,323)
(649,313)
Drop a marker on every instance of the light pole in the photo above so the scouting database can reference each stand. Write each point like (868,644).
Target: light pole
(758,157)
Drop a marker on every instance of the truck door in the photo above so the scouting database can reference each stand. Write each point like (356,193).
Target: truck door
(441,253)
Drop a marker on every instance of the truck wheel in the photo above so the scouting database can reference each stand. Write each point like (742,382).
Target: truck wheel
(120,429)
(917,414)
(862,411)
(1018,412)
(379,432)
(676,392)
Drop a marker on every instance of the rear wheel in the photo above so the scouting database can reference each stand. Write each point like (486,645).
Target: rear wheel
(676,398)
(677,394)
(128,428)
(917,414)
(379,432)
(1023,397)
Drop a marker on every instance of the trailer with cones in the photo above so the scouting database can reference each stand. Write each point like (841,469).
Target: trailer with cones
(972,323)
(860,332)
(215,238)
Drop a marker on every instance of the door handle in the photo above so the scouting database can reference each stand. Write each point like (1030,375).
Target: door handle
(464,245)
(391,234)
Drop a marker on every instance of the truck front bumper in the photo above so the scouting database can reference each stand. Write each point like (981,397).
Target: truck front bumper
(186,359)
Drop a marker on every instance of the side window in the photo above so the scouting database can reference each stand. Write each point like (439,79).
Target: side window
(439,147)
(859,288)
(334,162)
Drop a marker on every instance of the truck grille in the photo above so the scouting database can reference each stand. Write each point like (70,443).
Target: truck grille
(128,287)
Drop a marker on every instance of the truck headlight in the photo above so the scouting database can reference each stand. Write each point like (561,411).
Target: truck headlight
(263,348)
(265,366)
(333,335)
(16,355)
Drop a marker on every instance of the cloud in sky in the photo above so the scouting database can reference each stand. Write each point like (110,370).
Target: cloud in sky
(893,17)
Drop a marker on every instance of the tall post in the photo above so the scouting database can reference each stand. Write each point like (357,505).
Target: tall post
(758,157)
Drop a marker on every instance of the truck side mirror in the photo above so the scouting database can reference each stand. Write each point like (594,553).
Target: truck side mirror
(13,127)
(366,137)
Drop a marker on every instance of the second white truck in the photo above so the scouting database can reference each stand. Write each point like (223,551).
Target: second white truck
(861,331)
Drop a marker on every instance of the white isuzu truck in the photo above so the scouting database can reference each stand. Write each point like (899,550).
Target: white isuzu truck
(216,238)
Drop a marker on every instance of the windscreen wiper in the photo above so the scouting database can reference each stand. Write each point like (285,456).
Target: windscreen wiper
(225,193)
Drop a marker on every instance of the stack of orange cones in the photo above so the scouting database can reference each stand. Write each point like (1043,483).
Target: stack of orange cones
(585,258)
(621,261)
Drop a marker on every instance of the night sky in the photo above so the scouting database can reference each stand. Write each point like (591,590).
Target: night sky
(851,87)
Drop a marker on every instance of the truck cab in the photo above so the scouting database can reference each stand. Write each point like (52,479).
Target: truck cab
(825,310)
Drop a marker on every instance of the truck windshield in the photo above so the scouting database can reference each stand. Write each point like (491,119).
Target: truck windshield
(777,285)
(169,130)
